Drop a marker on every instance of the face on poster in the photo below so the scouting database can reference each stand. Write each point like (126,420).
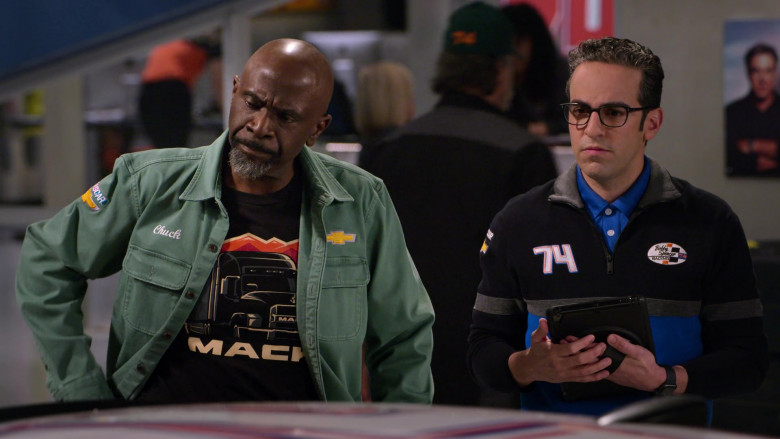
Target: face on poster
(750,84)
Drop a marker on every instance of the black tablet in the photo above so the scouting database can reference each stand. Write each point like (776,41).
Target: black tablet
(624,316)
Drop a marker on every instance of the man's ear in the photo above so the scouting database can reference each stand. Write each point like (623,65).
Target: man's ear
(653,123)
(320,127)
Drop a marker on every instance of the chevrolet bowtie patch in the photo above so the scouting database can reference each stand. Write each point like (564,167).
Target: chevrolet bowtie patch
(340,238)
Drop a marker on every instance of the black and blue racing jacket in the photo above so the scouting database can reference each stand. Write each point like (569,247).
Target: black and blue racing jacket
(683,249)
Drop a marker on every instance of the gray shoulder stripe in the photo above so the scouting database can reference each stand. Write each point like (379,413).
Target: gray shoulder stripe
(673,308)
(734,310)
(497,305)
(655,307)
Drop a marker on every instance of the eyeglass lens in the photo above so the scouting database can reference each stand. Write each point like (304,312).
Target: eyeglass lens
(610,115)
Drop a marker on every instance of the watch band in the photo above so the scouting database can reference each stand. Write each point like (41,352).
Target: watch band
(670,385)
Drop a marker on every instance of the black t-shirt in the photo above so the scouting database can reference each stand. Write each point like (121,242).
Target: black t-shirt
(241,341)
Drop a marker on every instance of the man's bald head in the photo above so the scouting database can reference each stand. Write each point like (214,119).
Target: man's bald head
(298,61)
(279,104)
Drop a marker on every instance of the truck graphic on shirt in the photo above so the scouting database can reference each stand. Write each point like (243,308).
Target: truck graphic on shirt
(251,297)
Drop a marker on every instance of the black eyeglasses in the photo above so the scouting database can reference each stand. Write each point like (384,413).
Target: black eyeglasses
(611,115)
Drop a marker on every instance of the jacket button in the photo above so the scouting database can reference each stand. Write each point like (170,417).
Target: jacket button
(189,294)
(213,248)
(141,369)
(167,335)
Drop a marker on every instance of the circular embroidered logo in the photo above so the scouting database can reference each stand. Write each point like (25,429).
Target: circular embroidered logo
(667,253)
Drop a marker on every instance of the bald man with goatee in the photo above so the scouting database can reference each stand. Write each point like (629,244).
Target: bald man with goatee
(252,269)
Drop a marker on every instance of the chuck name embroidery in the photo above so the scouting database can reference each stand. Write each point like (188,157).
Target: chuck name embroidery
(161,230)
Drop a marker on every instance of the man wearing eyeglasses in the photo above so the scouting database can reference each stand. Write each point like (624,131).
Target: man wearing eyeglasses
(617,224)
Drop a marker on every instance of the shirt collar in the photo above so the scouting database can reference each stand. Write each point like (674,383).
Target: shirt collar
(625,203)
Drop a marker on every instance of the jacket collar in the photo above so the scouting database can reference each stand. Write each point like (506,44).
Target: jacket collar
(322,183)
(660,188)
(207,181)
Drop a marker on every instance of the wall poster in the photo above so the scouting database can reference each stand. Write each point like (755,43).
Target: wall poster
(752,107)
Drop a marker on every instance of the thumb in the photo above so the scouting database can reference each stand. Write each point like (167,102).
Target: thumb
(540,333)
(620,343)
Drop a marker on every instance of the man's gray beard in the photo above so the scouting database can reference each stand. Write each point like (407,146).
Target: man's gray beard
(245,167)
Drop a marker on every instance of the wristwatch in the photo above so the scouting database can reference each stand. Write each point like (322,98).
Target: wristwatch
(670,385)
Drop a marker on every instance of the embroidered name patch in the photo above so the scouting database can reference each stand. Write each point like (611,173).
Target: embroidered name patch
(340,238)
(667,253)
(161,230)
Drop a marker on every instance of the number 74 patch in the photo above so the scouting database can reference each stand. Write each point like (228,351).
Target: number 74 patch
(560,254)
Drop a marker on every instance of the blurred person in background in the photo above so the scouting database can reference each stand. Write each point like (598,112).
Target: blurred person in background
(385,101)
(753,122)
(167,81)
(540,74)
(450,170)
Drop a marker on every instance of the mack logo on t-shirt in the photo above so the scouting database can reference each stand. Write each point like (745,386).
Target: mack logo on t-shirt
(240,349)
(667,253)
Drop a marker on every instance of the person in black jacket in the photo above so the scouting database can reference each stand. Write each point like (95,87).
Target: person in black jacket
(617,224)
(450,170)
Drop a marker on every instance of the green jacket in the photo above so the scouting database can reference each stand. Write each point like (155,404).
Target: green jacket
(158,218)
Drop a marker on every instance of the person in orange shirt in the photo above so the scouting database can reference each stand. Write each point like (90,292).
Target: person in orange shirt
(165,101)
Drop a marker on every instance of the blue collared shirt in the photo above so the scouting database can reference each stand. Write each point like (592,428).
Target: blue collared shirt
(611,218)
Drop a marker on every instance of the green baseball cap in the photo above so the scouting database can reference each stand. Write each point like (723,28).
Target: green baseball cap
(479,29)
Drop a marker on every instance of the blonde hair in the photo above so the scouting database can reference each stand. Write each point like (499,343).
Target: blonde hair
(384,97)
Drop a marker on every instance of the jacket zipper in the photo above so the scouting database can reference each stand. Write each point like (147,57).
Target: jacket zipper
(607,254)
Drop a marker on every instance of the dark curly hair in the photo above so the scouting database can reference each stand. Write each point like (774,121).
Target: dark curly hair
(624,52)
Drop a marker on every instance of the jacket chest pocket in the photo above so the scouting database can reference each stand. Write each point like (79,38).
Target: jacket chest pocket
(153,285)
(342,304)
